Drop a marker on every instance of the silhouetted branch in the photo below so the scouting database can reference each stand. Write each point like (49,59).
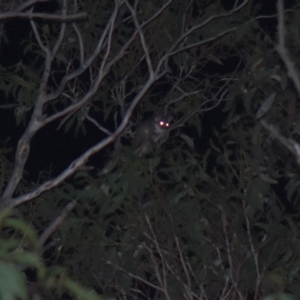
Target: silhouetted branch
(281,48)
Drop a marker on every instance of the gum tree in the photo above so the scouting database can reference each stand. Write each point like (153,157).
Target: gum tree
(183,220)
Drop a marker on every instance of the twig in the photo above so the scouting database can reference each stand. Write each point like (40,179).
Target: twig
(283,52)
(31,15)
(54,226)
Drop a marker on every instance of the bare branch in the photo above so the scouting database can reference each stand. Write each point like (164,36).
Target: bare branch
(195,45)
(38,38)
(202,24)
(163,280)
(254,253)
(80,41)
(229,252)
(54,225)
(62,31)
(283,52)
(92,120)
(28,4)
(30,15)
(289,143)
(137,277)
(104,69)
(184,16)
(141,34)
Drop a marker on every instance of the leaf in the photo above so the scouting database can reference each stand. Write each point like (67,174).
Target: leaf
(188,140)
(45,29)
(267,178)
(153,163)
(27,259)
(279,297)
(19,81)
(80,292)
(292,226)
(27,48)
(12,283)
(22,227)
(61,57)
(31,74)
(291,188)
(5,106)
(256,191)
(265,106)
(69,124)
(180,195)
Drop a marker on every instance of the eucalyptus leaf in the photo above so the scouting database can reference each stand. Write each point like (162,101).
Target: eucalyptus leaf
(188,140)
(12,282)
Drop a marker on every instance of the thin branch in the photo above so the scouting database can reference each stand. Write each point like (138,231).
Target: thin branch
(62,31)
(228,249)
(141,34)
(183,263)
(92,120)
(79,36)
(254,252)
(184,16)
(80,41)
(86,64)
(194,45)
(289,143)
(54,225)
(30,15)
(163,281)
(137,277)
(202,24)
(38,38)
(283,52)
(27,4)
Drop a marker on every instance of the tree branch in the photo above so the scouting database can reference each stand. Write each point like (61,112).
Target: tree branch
(45,16)
(283,52)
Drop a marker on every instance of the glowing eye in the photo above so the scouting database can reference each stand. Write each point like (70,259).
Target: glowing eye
(164,124)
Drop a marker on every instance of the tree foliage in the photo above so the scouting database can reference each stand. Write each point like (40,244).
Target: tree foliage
(213,213)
